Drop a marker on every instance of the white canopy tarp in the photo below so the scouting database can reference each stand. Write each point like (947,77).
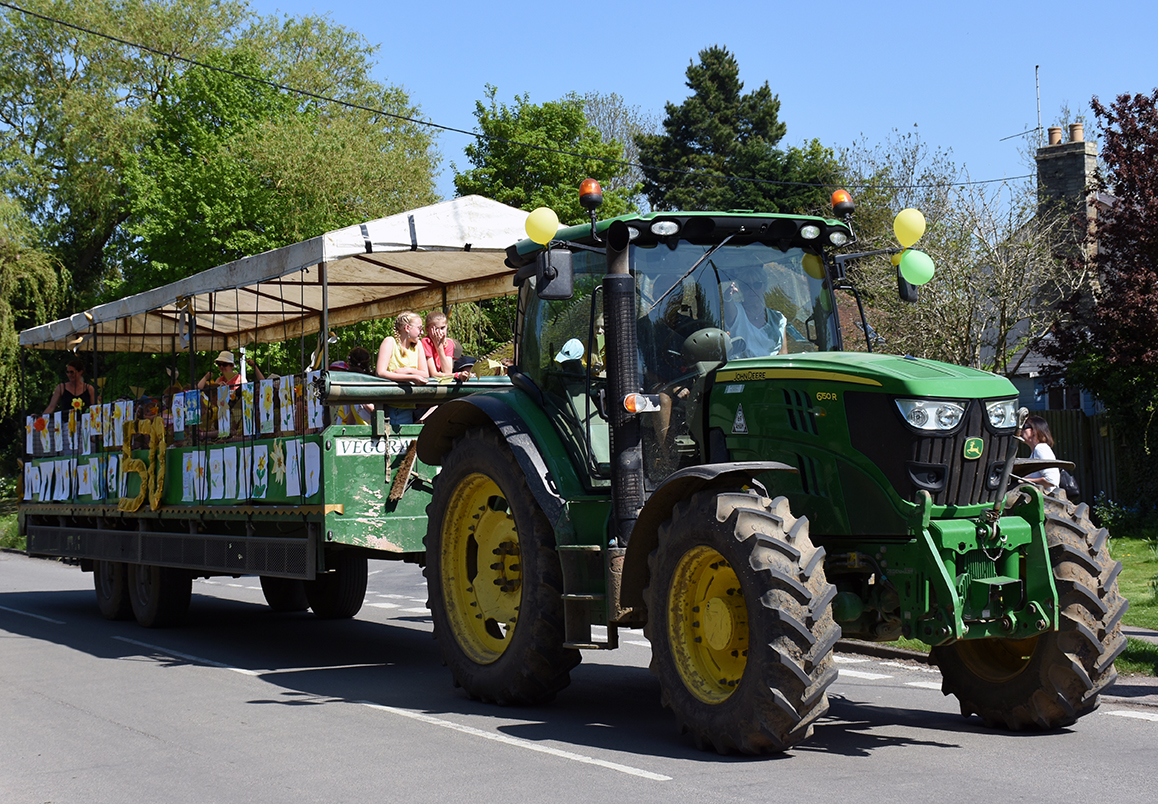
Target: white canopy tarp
(434,256)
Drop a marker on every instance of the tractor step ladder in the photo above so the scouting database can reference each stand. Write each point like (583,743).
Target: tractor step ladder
(584,597)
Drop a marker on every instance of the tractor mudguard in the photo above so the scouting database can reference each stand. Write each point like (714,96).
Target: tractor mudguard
(536,447)
(680,485)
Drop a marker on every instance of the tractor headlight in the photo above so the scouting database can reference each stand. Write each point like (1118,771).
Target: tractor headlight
(931,414)
(1002,413)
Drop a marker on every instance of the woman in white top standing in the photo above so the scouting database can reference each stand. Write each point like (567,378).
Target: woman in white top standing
(1036,434)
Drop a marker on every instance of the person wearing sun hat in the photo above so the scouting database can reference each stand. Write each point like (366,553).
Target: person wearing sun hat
(229,376)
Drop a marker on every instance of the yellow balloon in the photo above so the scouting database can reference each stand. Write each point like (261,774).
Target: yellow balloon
(813,266)
(908,226)
(542,224)
(895,259)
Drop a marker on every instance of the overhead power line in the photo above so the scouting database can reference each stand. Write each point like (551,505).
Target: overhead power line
(478,135)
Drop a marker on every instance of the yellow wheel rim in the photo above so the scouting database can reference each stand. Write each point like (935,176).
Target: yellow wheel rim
(996,660)
(708,624)
(482,580)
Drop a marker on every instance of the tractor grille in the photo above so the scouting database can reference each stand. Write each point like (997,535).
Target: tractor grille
(915,462)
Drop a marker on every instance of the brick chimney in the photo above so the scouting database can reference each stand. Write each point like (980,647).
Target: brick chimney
(1065,170)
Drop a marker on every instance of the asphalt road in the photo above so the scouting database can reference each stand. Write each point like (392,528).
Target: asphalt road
(241,704)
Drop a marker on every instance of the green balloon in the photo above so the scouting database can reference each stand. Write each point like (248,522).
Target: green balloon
(916,267)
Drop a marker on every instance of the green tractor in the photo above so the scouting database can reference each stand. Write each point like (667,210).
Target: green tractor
(686,448)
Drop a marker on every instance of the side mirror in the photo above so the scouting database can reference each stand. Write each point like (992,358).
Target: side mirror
(554,274)
(906,290)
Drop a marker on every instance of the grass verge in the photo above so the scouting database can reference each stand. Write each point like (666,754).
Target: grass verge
(1139,559)
(10,533)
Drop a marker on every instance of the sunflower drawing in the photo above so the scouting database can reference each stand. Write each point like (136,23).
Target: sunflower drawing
(277,462)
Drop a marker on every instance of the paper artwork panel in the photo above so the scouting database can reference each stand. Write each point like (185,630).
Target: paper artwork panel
(244,473)
(247,409)
(188,473)
(178,413)
(260,471)
(230,459)
(266,418)
(312,468)
(313,401)
(216,474)
(285,398)
(58,429)
(192,407)
(223,410)
(293,475)
(83,479)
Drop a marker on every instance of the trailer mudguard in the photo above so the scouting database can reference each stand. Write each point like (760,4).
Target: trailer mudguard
(536,446)
(679,486)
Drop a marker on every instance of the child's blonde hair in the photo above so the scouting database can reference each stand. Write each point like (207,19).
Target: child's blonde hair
(403,319)
(434,317)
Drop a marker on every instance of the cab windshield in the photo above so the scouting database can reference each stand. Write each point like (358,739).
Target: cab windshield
(765,301)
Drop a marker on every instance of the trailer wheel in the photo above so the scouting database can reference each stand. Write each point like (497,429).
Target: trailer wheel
(159,595)
(338,595)
(1048,681)
(493,577)
(111,580)
(740,623)
(284,594)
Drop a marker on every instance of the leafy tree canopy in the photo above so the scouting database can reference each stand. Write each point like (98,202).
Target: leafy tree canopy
(720,136)
(1110,341)
(566,149)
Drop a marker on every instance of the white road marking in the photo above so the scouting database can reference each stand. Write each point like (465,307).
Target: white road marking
(919,668)
(518,742)
(422,610)
(1151,716)
(385,605)
(863,675)
(925,685)
(30,614)
(848,659)
(639,642)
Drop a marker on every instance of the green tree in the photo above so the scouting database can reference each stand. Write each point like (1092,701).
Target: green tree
(1110,342)
(998,281)
(565,150)
(718,149)
(238,167)
(74,108)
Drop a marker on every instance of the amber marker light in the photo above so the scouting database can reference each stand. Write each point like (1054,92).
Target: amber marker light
(590,194)
(842,204)
(641,403)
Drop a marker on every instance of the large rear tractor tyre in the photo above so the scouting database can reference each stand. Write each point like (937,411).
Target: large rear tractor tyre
(493,577)
(111,580)
(285,594)
(1048,681)
(740,623)
(339,593)
(159,595)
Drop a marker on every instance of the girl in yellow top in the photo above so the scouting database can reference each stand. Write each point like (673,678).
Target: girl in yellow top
(400,358)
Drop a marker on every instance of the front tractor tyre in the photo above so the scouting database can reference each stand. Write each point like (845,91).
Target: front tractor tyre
(740,623)
(1048,681)
(493,577)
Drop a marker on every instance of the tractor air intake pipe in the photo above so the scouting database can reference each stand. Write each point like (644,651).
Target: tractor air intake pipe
(622,379)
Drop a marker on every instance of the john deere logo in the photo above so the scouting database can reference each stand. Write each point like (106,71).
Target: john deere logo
(973,448)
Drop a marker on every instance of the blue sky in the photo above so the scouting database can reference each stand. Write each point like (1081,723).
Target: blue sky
(963,74)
